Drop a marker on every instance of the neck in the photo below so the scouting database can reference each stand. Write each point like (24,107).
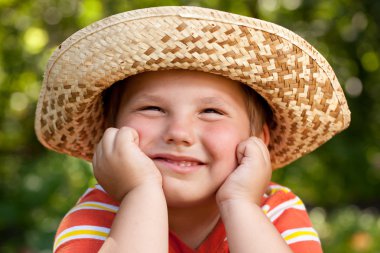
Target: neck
(193,224)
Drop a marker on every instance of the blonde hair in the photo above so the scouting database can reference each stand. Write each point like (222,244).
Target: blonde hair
(259,111)
(111,102)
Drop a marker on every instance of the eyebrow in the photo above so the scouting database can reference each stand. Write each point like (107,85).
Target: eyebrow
(203,100)
(147,98)
(212,101)
(216,101)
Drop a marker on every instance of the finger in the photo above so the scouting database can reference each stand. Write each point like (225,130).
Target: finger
(98,150)
(263,149)
(103,147)
(240,150)
(108,140)
(126,136)
(247,148)
(253,149)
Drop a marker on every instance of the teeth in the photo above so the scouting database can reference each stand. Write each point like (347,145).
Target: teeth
(183,163)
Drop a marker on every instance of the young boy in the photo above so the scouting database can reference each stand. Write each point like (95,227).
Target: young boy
(185,112)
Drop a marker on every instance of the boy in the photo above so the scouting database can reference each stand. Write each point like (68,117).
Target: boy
(182,146)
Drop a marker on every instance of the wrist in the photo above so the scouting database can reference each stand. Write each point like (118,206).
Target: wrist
(146,188)
(231,206)
(231,202)
(237,198)
(126,186)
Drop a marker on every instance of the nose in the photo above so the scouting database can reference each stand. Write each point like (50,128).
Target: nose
(179,131)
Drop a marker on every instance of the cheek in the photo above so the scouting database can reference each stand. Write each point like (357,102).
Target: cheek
(144,129)
(221,142)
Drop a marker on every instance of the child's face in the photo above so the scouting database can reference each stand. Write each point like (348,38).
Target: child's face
(189,124)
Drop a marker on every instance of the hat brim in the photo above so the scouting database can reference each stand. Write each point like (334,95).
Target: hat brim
(293,77)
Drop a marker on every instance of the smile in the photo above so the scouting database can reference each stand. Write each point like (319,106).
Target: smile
(182,163)
(177,164)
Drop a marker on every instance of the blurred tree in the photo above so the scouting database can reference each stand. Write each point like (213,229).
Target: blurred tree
(339,181)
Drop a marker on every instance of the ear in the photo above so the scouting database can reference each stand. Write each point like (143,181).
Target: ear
(265,134)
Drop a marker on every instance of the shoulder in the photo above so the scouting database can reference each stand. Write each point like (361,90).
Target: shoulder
(279,195)
(89,220)
(280,200)
(288,214)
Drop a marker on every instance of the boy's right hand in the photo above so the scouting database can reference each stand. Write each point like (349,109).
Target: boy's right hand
(119,164)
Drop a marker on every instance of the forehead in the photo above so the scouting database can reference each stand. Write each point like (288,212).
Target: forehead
(184,82)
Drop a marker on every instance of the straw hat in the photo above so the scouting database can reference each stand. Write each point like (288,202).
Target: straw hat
(307,101)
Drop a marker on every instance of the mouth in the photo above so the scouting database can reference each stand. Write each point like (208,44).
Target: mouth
(178,164)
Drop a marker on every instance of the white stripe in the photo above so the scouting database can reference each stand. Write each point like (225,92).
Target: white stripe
(278,188)
(265,208)
(96,237)
(59,242)
(306,237)
(302,238)
(278,210)
(274,216)
(91,189)
(295,230)
(100,188)
(76,228)
(87,192)
(85,206)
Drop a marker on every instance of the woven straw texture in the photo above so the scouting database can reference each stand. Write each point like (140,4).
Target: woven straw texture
(308,103)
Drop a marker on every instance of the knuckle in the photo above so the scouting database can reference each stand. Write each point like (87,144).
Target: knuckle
(109,131)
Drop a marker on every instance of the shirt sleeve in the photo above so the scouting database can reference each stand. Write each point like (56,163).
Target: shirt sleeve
(86,226)
(288,214)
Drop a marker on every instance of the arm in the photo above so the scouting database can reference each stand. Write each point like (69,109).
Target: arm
(248,228)
(142,218)
(128,175)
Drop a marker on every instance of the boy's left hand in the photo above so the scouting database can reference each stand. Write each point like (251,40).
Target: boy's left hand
(250,179)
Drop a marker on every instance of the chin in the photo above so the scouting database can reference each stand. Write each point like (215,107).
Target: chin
(180,193)
(187,200)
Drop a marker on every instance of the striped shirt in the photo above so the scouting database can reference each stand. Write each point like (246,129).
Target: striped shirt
(87,225)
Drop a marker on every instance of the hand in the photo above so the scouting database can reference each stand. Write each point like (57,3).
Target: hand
(250,179)
(119,164)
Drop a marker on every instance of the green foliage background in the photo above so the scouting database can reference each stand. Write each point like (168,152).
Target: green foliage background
(339,182)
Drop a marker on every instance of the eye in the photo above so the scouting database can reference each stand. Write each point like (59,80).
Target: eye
(212,110)
(151,108)
(151,111)
(212,114)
